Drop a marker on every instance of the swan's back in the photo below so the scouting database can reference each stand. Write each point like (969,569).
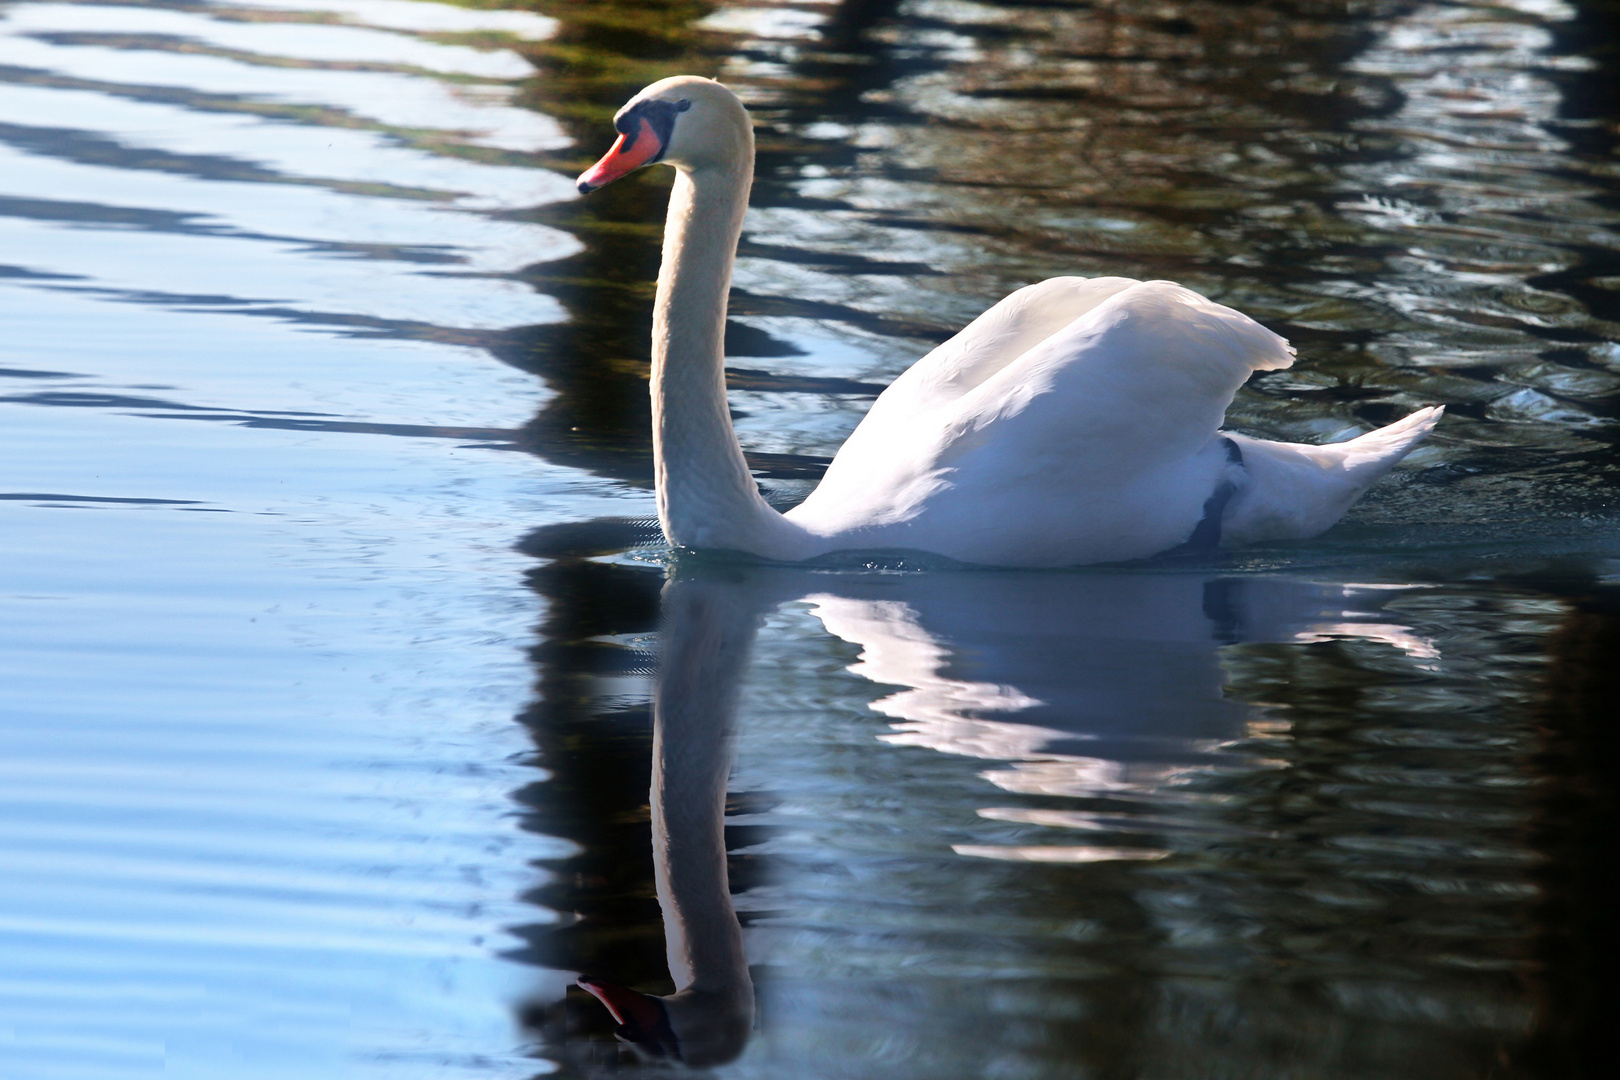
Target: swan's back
(1074,415)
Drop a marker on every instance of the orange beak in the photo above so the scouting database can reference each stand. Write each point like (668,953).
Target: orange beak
(627,156)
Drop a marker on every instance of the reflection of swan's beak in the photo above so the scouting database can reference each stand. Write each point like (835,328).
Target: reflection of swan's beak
(641,1018)
(626,156)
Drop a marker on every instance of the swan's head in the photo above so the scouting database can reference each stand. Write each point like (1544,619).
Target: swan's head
(686,121)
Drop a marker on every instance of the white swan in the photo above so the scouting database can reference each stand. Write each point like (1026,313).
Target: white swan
(1074,422)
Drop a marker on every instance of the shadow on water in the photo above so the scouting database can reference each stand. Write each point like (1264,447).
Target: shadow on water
(1576,822)
(1250,821)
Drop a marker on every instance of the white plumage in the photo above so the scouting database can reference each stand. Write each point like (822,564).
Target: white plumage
(1076,421)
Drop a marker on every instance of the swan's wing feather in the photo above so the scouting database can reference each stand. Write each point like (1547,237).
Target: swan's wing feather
(920,400)
(997,338)
(1141,380)
(1121,402)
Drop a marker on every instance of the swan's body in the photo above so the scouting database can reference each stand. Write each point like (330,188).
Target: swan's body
(1077,421)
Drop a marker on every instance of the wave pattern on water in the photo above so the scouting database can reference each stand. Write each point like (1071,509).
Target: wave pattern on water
(1326,808)
(260,671)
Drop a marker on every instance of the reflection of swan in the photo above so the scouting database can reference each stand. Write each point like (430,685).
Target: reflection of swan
(1082,684)
(1073,683)
(1015,666)
(1076,421)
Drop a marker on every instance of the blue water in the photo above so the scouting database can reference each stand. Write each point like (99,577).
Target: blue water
(331,636)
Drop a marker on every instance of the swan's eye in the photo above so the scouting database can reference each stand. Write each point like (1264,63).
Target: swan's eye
(659,117)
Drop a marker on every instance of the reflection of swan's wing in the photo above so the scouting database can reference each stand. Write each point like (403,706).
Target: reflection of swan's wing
(944,713)
(939,712)
(895,649)
(1388,633)
(1017,663)
(1280,609)
(1125,663)
(936,711)
(1097,686)
(1098,440)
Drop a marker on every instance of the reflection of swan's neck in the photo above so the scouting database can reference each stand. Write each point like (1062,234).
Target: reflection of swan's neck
(703,939)
(706,643)
(706,497)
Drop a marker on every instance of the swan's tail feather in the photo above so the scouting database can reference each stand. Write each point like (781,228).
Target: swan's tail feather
(1293,492)
(1371,455)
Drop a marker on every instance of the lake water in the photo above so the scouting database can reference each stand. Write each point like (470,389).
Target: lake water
(331,627)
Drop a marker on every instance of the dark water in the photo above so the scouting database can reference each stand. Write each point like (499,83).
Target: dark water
(328,716)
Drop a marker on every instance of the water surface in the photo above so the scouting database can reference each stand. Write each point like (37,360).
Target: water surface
(331,636)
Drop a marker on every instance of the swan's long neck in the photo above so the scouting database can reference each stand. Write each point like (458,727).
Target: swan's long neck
(706,497)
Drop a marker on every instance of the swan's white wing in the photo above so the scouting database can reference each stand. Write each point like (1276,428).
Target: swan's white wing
(1098,438)
(1141,380)
(980,350)
(997,338)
